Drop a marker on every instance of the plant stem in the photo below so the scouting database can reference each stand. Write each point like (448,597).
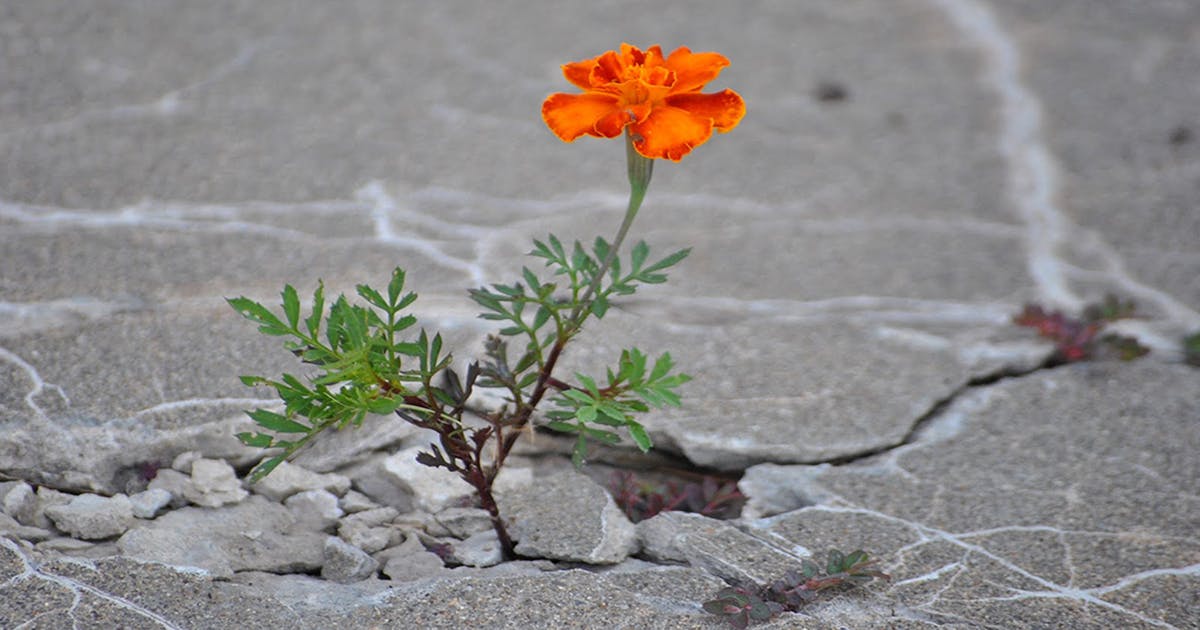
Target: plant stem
(640,169)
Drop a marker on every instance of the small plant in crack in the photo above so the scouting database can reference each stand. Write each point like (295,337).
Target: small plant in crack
(367,360)
(641,500)
(741,606)
(1082,338)
(1191,349)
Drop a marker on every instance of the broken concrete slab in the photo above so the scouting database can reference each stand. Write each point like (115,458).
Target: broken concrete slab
(255,534)
(568,517)
(1053,483)
(856,261)
(93,517)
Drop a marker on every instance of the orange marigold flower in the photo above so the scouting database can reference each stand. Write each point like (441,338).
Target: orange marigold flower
(657,98)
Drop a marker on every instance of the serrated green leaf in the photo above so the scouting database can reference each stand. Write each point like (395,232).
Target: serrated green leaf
(276,422)
(395,285)
(809,568)
(403,323)
(669,261)
(291,305)
(256,440)
(608,437)
(589,384)
(264,468)
(661,367)
(563,427)
(371,296)
(527,380)
(578,396)
(599,306)
(637,256)
(836,562)
(610,417)
(269,324)
(313,322)
(541,317)
(639,435)
(585,414)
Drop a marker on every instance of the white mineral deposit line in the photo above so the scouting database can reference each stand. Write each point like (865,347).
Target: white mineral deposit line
(1032,175)
(1034,183)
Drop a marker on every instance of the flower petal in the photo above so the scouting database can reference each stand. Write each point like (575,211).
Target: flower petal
(693,70)
(572,115)
(670,132)
(725,108)
(578,72)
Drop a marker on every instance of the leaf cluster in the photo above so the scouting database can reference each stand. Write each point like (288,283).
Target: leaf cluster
(1080,338)
(361,365)
(543,315)
(742,606)
(641,500)
(591,411)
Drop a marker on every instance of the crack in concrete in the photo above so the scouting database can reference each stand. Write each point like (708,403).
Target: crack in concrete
(33,570)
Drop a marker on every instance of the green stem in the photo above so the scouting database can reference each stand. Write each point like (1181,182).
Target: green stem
(641,168)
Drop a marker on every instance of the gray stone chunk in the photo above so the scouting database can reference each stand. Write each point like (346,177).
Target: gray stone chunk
(20,502)
(410,561)
(288,479)
(481,550)
(315,510)
(346,563)
(148,503)
(568,517)
(370,530)
(214,483)
(92,517)
(355,501)
(174,482)
(461,522)
(9,526)
(255,534)
(715,546)
(48,497)
(431,489)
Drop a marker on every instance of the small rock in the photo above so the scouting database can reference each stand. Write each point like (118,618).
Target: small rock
(92,517)
(369,478)
(149,503)
(410,561)
(20,502)
(214,483)
(370,530)
(288,479)
(481,550)
(256,535)
(183,461)
(355,501)
(463,522)
(11,528)
(175,482)
(47,497)
(432,489)
(345,563)
(315,510)
(568,517)
(715,546)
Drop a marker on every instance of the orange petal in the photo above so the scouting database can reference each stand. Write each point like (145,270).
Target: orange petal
(725,109)
(693,70)
(670,132)
(578,72)
(572,115)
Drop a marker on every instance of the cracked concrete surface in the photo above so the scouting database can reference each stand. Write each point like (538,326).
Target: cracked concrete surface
(855,267)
